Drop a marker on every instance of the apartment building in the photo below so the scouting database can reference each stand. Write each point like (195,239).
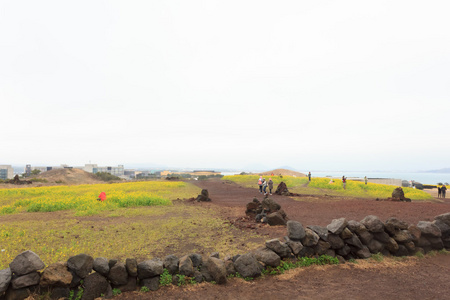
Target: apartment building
(6,172)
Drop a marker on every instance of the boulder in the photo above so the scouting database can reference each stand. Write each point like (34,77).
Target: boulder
(322,232)
(295,246)
(423,242)
(171,263)
(356,227)
(270,205)
(131,265)
(402,251)
(443,227)
(186,267)
(282,189)
(365,237)
(26,280)
(436,242)
(5,279)
(60,292)
(112,262)
(20,294)
(56,275)
(229,265)
(198,276)
(26,262)
(337,225)
(322,247)
(311,238)
(150,268)
(402,236)
(267,257)
(197,259)
(354,241)
(375,246)
(282,249)
(248,266)
(214,254)
(346,234)
(398,194)
(205,273)
(410,246)
(429,229)
(151,283)
(94,286)
(415,232)
(76,280)
(373,223)
(445,218)
(216,267)
(275,218)
(118,274)
(101,265)
(381,236)
(391,246)
(295,230)
(364,253)
(204,196)
(344,251)
(335,241)
(130,286)
(81,264)
(307,251)
(393,225)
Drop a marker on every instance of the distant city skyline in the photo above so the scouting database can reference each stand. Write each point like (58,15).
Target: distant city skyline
(329,85)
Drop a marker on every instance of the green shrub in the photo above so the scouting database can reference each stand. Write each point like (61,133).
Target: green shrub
(106,176)
(165,278)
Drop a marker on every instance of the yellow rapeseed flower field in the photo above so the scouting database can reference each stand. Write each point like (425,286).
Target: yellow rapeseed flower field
(83,198)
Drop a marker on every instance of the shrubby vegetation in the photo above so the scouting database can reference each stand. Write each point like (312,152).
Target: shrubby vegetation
(106,176)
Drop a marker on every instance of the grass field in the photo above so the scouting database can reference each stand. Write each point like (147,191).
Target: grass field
(322,185)
(137,220)
(83,198)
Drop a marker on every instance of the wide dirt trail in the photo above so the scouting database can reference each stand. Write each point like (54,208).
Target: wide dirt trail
(322,209)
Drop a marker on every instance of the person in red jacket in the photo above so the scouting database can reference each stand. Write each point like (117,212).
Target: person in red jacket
(102,196)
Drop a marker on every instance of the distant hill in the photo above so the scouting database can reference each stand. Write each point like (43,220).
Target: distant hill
(69,177)
(445,170)
(283,172)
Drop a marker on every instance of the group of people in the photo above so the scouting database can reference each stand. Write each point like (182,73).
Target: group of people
(263,184)
(441,191)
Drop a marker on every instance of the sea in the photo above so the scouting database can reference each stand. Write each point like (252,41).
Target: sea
(421,177)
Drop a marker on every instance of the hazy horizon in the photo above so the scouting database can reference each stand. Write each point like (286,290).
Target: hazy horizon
(327,85)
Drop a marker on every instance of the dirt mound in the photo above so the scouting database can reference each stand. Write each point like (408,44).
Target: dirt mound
(283,172)
(69,176)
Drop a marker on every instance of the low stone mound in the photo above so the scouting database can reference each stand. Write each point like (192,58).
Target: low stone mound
(17,181)
(267,211)
(397,195)
(204,196)
(282,189)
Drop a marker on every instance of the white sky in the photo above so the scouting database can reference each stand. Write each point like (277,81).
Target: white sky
(316,85)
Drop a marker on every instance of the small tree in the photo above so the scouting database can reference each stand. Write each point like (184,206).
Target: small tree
(35,172)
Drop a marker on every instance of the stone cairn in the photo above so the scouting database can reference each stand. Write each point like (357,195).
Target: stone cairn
(267,211)
(16,180)
(204,196)
(341,239)
(398,195)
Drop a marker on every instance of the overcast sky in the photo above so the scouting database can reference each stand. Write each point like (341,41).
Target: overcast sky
(316,85)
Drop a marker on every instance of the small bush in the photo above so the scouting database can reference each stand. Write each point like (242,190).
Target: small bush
(377,257)
(106,176)
(165,278)
(116,292)
(145,289)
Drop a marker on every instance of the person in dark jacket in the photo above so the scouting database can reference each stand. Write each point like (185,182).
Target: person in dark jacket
(443,190)
(439,192)
(270,186)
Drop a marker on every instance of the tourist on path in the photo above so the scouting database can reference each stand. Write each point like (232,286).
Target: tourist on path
(344,181)
(270,186)
(260,183)
(265,186)
(365,180)
(443,190)
(439,192)
(309,176)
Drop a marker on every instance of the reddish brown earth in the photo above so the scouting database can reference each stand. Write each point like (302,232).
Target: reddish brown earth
(412,278)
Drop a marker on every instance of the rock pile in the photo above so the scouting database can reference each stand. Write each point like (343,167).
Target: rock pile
(267,211)
(282,189)
(398,195)
(91,278)
(17,181)
(204,196)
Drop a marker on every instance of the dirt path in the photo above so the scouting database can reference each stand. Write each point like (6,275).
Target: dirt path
(426,278)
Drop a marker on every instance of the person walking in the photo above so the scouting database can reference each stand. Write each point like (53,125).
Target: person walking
(264,186)
(309,176)
(260,184)
(270,186)
(443,190)
(439,192)
(365,180)
(344,182)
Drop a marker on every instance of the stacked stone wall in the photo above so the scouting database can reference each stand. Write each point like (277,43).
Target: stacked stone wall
(92,278)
